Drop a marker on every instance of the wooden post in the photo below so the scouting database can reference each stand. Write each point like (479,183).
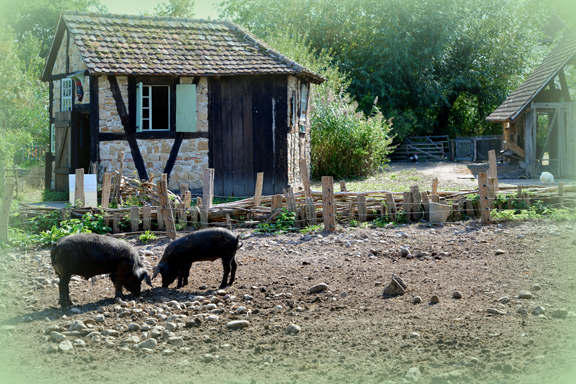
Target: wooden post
(182,215)
(530,142)
(134,218)
(208,187)
(258,189)
(305,178)
(469,208)
(475,149)
(407,205)
(362,209)
(3,178)
(519,192)
(435,198)
(276,202)
(343,186)
(383,209)
(194,216)
(183,189)
(203,217)
(491,191)
(510,203)
(351,211)
(456,214)
(328,203)
(425,204)
(310,211)
(416,202)
(187,199)
(5,212)
(118,179)
(228,222)
(160,219)
(146,214)
(452,153)
(115,222)
(561,195)
(48,158)
(106,184)
(79,189)
(290,199)
(493,168)
(94,169)
(165,207)
(391,206)
(434,186)
(483,189)
(527,199)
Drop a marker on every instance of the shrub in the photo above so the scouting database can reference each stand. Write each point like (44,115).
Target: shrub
(345,143)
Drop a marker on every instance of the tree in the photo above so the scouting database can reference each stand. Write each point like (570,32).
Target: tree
(176,8)
(437,67)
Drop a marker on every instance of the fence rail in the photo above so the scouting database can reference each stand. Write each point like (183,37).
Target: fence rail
(30,152)
(475,148)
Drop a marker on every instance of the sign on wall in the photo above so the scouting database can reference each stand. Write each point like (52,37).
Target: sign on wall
(90,190)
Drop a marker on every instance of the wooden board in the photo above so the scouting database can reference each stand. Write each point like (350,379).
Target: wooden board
(63,142)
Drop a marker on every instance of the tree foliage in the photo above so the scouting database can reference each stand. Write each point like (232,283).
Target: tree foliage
(175,8)
(437,66)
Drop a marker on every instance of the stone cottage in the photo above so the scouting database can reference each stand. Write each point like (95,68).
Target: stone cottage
(177,96)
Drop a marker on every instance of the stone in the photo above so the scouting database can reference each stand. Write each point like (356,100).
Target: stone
(148,344)
(457,294)
(318,288)
(65,346)
(99,318)
(495,311)
(79,343)
(538,310)
(110,332)
(413,375)
(238,324)
(560,313)
(536,287)
(177,341)
(77,325)
(208,358)
(499,252)
(525,295)
(504,300)
(434,299)
(57,337)
(53,348)
(404,252)
(131,340)
(396,286)
(293,329)
(389,226)
(221,292)
(417,300)
(448,376)
(212,317)
(133,327)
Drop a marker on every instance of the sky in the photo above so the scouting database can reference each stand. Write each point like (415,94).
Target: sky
(202,8)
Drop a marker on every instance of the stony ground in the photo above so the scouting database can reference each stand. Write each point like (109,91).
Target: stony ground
(504,312)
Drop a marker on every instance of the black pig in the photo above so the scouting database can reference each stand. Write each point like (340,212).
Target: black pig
(89,254)
(205,245)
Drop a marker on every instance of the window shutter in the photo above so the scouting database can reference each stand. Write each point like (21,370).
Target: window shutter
(139,107)
(185,107)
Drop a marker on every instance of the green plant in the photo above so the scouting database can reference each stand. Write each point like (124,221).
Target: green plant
(50,195)
(147,236)
(179,227)
(312,228)
(381,221)
(285,222)
(133,200)
(401,218)
(354,223)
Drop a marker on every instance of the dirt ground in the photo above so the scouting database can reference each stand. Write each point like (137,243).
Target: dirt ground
(348,333)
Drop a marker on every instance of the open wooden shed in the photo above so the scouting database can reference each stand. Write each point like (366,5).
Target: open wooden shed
(539,118)
(177,96)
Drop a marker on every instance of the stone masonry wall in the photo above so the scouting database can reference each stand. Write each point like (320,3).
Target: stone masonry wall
(192,158)
(299,144)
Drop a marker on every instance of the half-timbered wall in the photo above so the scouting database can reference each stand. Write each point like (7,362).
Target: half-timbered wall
(298,143)
(192,157)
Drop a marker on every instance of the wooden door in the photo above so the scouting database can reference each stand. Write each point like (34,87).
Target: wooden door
(248,134)
(62,133)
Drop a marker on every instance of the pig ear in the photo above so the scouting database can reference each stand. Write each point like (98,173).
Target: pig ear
(147,278)
(158,269)
(143,275)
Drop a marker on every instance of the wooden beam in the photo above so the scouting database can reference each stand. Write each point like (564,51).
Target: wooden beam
(328,203)
(94,120)
(173,154)
(564,85)
(113,136)
(514,148)
(484,204)
(129,130)
(79,188)
(258,189)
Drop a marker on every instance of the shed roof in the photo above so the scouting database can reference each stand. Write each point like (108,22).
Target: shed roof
(537,81)
(142,45)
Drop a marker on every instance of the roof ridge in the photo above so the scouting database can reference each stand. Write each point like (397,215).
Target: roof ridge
(137,17)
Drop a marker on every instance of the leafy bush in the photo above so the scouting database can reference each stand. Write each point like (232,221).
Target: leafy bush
(286,222)
(50,195)
(147,236)
(345,143)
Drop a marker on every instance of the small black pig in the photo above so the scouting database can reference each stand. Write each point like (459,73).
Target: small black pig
(89,254)
(205,245)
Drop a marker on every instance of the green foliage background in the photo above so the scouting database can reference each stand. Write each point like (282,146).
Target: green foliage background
(437,66)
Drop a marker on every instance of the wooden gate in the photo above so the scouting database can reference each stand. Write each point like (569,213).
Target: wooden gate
(62,133)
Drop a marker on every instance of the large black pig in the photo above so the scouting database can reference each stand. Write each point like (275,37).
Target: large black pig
(205,245)
(89,254)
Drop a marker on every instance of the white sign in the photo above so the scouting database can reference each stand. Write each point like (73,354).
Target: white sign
(90,190)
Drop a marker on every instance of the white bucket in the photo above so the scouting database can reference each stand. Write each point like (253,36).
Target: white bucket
(439,212)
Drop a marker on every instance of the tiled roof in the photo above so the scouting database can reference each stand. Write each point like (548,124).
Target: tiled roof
(537,80)
(141,45)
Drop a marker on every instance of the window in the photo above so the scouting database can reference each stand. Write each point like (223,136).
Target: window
(152,108)
(66,95)
(303,107)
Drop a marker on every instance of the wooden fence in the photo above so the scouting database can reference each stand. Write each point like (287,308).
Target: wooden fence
(309,207)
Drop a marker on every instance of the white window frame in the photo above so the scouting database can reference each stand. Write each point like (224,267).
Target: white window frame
(304,91)
(66,94)
(140,119)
